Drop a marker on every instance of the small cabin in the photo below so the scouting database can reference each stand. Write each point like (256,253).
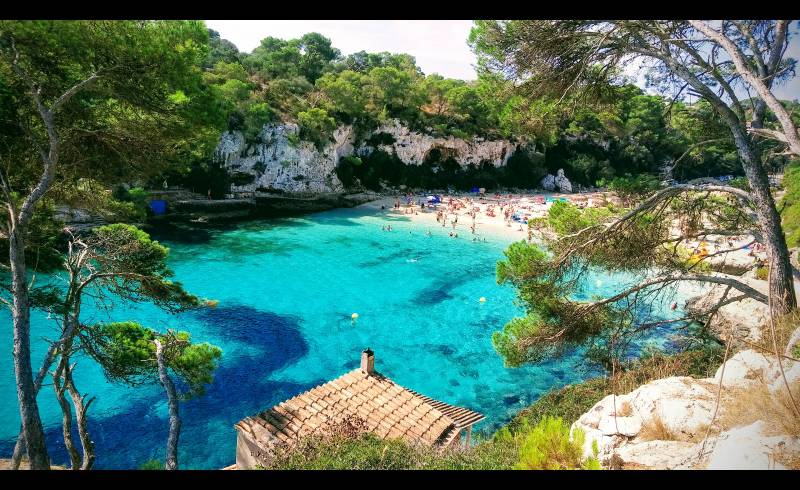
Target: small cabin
(385,408)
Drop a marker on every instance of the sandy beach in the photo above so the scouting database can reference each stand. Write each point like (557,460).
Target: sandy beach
(473,216)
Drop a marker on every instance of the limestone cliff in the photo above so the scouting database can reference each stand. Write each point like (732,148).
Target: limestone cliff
(281,160)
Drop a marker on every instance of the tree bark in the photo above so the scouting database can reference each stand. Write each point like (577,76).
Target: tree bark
(81,407)
(20,446)
(174,416)
(26,393)
(781,281)
(66,419)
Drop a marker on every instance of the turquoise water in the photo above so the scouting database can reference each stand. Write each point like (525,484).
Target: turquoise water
(286,291)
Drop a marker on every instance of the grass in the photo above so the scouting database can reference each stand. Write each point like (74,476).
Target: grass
(654,429)
(743,406)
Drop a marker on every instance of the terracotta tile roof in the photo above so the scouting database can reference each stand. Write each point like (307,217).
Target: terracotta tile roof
(388,410)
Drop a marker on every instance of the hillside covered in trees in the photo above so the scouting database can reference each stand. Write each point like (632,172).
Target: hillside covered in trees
(309,82)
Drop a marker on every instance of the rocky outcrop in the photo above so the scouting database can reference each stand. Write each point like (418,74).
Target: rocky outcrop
(558,182)
(78,220)
(281,161)
(744,319)
(413,147)
(562,182)
(662,424)
(747,448)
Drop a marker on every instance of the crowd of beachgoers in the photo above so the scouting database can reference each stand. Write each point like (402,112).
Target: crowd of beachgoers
(475,216)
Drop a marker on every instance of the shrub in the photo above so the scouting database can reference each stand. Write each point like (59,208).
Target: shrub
(316,126)
(548,447)
(348,446)
(632,188)
(762,273)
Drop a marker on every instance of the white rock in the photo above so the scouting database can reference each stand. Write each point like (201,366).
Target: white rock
(276,162)
(412,147)
(683,404)
(747,448)
(626,426)
(661,455)
(746,367)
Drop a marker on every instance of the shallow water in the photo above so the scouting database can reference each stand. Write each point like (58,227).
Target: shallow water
(286,291)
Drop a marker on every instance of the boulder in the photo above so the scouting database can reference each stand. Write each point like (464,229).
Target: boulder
(562,182)
(749,367)
(548,183)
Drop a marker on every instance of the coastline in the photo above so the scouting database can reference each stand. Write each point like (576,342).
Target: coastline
(486,226)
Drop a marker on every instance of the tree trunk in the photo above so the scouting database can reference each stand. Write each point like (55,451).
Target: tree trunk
(66,419)
(781,284)
(174,416)
(81,407)
(26,394)
(19,448)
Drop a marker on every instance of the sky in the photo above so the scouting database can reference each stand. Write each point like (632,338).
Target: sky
(439,46)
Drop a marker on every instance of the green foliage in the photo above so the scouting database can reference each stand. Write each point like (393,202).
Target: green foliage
(552,321)
(548,447)
(368,452)
(762,273)
(790,204)
(565,218)
(316,126)
(127,353)
(134,267)
(630,188)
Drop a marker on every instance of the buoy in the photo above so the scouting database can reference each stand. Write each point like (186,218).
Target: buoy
(482,300)
(354,316)
(212,303)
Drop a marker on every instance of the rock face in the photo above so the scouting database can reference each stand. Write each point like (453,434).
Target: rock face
(662,424)
(281,161)
(413,147)
(558,182)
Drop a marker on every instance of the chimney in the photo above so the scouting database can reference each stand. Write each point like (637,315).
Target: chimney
(368,361)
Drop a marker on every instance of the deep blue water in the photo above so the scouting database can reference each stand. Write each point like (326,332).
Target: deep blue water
(286,291)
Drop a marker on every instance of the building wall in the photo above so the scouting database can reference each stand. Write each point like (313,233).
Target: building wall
(248,454)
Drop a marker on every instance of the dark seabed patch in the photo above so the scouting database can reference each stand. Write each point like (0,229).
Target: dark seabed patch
(404,253)
(241,388)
